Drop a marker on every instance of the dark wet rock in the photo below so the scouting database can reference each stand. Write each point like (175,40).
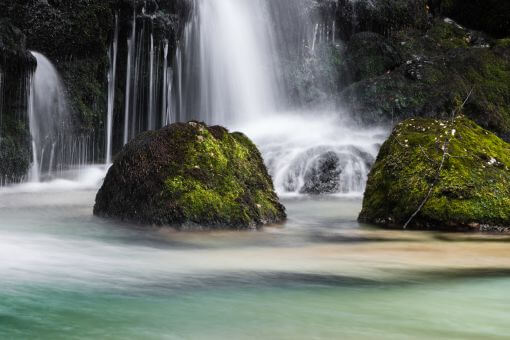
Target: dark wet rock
(328,170)
(380,16)
(76,35)
(439,69)
(369,54)
(471,192)
(16,67)
(190,175)
(323,177)
(490,16)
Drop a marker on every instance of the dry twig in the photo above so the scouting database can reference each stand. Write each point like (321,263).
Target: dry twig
(446,144)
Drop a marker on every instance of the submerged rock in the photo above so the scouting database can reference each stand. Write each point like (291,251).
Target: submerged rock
(187,175)
(329,170)
(471,192)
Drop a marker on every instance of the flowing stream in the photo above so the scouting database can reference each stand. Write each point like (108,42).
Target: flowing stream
(65,274)
(68,275)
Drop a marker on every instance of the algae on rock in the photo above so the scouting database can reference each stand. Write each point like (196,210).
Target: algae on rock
(190,175)
(472,191)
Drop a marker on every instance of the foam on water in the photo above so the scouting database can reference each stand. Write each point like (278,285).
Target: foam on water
(85,178)
(315,151)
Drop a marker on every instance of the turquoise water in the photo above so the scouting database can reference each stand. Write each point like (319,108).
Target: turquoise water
(65,274)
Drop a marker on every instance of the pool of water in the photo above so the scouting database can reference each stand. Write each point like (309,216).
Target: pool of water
(65,274)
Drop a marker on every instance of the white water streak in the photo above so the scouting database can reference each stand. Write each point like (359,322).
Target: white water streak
(111,91)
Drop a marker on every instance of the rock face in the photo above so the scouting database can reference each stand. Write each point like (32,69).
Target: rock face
(491,16)
(471,192)
(368,55)
(380,16)
(16,68)
(190,175)
(76,36)
(438,68)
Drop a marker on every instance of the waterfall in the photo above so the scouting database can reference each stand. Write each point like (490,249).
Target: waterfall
(55,147)
(253,65)
(1,106)
(131,43)
(112,73)
(164,110)
(226,72)
(240,63)
(151,124)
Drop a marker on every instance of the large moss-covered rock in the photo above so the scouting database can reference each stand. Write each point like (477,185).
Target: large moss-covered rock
(188,174)
(471,192)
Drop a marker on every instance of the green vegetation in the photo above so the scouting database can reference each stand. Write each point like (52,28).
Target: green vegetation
(191,174)
(439,66)
(473,187)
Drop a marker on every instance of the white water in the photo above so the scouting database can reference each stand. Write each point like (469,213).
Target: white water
(112,73)
(151,125)
(131,43)
(48,115)
(166,86)
(298,146)
(1,106)
(228,72)
(85,178)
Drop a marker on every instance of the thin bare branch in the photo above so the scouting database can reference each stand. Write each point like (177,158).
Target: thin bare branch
(446,145)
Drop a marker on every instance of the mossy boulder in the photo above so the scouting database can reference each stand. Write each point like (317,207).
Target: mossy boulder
(190,175)
(471,192)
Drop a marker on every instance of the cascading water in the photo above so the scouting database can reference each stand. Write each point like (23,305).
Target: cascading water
(112,74)
(55,147)
(146,104)
(259,66)
(1,106)
(48,116)
(229,71)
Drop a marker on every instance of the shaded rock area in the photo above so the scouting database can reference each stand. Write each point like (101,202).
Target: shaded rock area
(471,192)
(189,175)
(380,16)
(367,55)
(16,67)
(491,16)
(76,36)
(438,69)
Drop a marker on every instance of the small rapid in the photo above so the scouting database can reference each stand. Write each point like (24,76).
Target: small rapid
(237,65)
(315,152)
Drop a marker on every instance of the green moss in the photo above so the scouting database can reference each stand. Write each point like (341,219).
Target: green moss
(210,177)
(209,185)
(448,35)
(503,42)
(473,187)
